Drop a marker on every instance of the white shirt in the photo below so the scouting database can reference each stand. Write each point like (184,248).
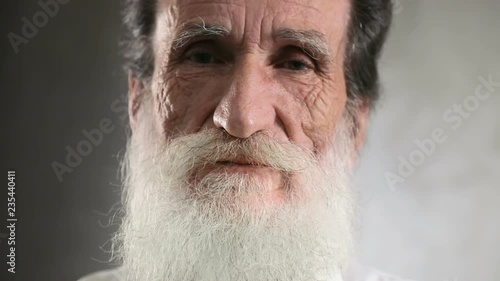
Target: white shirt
(355,273)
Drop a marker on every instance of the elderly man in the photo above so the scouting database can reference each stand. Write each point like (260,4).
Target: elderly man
(246,118)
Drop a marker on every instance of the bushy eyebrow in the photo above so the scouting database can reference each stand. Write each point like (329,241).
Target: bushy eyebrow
(191,31)
(312,42)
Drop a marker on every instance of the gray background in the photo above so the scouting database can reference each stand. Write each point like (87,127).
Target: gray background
(441,224)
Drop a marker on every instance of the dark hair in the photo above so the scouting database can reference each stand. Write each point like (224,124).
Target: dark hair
(370,21)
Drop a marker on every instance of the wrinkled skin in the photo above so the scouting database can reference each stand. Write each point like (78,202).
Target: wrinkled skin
(250,82)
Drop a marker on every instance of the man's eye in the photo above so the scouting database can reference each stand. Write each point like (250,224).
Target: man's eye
(295,65)
(202,58)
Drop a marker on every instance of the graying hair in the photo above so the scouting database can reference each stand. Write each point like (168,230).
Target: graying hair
(366,34)
(198,30)
(312,41)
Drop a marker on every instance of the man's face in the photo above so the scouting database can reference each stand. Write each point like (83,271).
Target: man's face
(238,162)
(247,67)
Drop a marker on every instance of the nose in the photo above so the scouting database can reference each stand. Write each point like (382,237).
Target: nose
(247,105)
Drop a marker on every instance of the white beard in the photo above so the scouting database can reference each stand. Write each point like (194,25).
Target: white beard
(178,229)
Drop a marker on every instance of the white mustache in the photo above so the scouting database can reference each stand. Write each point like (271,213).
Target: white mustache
(216,146)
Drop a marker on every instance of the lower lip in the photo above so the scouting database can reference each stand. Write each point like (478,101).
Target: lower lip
(264,174)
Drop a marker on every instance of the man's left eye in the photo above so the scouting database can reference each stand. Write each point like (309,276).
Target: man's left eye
(294,65)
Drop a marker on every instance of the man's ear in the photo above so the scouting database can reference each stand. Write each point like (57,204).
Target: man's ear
(135,90)
(361,123)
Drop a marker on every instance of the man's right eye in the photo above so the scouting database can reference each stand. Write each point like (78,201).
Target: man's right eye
(202,58)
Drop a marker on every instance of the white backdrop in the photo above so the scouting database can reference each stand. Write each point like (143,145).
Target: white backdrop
(440,222)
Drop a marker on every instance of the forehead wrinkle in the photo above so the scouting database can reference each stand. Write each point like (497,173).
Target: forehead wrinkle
(193,30)
(298,3)
(310,41)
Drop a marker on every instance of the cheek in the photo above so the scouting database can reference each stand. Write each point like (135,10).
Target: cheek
(319,102)
(183,101)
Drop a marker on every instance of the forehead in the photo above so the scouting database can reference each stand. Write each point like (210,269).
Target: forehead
(258,17)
